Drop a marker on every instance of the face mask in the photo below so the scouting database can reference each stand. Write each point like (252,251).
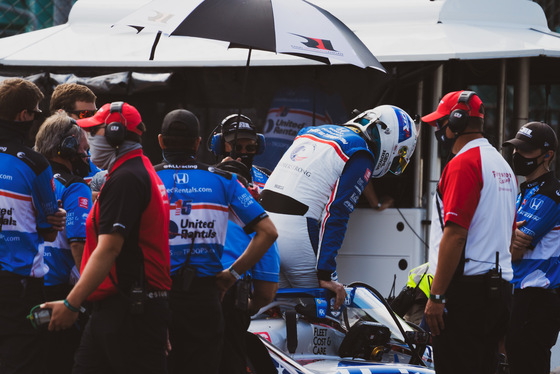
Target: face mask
(446,143)
(80,167)
(524,166)
(101,152)
(246,158)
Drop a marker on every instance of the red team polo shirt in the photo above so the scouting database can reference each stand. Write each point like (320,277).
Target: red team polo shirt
(133,202)
(477,191)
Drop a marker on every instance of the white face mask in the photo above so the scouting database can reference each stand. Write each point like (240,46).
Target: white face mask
(102,154)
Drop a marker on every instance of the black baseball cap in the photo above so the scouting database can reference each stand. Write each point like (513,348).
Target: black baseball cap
(534,135)
(240,124)
(180,122)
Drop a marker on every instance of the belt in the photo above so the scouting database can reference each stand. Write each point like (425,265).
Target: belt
(157,294)
(275,202)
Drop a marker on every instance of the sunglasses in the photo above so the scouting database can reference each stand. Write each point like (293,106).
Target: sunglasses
(250,148)
(441,122)
(81,114)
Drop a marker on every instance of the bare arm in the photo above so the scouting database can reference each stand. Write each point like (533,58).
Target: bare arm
(450,249)
(95,271)
(263,294)
(374,201)
(77,249)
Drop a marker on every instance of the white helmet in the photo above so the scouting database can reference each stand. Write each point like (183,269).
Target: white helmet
(391,136)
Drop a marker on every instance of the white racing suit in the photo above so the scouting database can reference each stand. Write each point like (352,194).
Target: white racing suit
(310,196)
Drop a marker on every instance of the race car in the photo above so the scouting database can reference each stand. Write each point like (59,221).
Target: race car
(303,334)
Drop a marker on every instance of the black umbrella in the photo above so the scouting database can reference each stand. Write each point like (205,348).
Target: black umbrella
(295,27)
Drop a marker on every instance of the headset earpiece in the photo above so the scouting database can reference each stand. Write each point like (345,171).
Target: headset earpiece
(115,132)
(261,143)
(546,155)
(68,147)
(459,118)
(217,144)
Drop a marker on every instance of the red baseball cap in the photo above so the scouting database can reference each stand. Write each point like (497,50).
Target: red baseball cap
(128,115)
(450,102)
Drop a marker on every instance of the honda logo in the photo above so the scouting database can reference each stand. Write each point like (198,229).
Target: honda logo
(181,178)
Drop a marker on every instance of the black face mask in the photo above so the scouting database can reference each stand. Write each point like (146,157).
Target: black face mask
(446,143)
(80,167)
(524,166)
(246,158)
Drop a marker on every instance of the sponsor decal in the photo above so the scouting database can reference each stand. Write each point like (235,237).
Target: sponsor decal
(536,204)
(246,199)
(182,207)
(302,151)
(404,125)
(3,149)
(52,184)
(526,131)
(181,178)
(189,190)
(315,43)
(6,177)
(265,335)
(20,154)
(502,177)
(160,17)
(6,218)
(320,340)
(196,229)
(383,160)
(367,175)
(83,202)
(296,168)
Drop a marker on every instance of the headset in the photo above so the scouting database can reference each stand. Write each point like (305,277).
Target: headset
(459,118)
(217,144)
(68,147)
(115,132)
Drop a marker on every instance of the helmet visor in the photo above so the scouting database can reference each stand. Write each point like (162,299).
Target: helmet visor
(400,161)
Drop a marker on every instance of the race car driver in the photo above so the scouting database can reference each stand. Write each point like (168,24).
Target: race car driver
(316,186)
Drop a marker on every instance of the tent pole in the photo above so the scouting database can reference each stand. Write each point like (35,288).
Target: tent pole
(434,161)
(502,103)
(521,93)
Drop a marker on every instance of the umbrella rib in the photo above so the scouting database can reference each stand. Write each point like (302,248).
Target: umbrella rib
(156,41)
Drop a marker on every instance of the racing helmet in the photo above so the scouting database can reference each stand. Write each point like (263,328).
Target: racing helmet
(391,136)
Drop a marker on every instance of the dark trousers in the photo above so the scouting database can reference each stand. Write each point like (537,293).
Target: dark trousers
(61,345)
(21,346)
(475,322)
(533,330)
(197,328)
(118,341)
(234,357)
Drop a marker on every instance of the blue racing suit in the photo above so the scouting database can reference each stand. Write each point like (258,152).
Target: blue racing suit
(310,196)
(534,321)
(538,204)
(75,196)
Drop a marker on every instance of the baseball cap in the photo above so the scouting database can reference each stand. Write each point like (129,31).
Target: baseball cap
(534,135)
(450,102)
(129,116)
(240,124)
(180,122)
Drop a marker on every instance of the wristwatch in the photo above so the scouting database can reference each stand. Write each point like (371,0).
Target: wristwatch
(234,273)
(438,299)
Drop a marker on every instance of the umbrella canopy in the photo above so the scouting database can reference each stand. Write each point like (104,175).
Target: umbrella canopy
(295,27)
